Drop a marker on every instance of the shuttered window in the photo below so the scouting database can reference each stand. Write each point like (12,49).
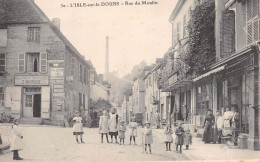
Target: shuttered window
(72,72)
(252,12)
(228,33)
(21,63)
(43,62)
(2,62)
(85,76)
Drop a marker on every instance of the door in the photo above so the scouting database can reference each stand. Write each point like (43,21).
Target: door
(28,106)
(37,105)
(45,102)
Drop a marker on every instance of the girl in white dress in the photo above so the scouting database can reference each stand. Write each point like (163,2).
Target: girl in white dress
(133,130)
(16,144)
(78,127)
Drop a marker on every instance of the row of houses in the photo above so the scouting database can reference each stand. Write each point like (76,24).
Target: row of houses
(43,78)
(181,87)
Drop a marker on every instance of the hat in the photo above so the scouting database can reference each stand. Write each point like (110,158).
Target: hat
(147,122)
(209,110)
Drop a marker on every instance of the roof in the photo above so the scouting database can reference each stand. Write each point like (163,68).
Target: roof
(20,12)
(27,12)
(177,9)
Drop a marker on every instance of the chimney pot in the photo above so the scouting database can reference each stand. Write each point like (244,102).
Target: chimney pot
(56,22)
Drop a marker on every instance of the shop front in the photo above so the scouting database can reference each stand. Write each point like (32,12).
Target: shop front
(29,98)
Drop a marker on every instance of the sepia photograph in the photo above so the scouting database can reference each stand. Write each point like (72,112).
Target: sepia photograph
(129,80)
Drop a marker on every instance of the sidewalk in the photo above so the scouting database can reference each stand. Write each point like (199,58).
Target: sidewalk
(200,151)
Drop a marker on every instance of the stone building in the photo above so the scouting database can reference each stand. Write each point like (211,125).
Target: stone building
(43,78)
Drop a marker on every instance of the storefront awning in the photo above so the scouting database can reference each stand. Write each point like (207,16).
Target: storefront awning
(176,85)
(209,73)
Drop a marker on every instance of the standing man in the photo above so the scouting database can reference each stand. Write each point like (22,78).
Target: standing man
(219,123)
(157,119)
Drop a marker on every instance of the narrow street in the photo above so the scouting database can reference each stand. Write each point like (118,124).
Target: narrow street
(58,144)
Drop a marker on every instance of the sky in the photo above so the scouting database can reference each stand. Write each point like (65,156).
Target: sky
(136,33)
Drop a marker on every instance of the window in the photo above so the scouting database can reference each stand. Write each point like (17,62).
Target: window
(252,13)
(85,76)
(21,63)
(228,33)
(43,63)
(80,73)
(83,97)
(3,37)
(184,26)
(72,71)
(178,32)
(33,34)
(2,97)
(2,62)
(80,100)
(33,62)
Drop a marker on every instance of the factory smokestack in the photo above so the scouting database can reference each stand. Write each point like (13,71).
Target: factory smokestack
(107,59)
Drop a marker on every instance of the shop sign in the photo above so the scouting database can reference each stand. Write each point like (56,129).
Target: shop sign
(57,86)
(241,64)
(31,80)
(57,81)
(58,95)
(57,73)
(58,90)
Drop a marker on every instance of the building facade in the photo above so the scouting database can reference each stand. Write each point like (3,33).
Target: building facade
(43,78)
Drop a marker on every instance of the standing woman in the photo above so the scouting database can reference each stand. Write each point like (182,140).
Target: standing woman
(103,125)
(16,144)
(208,124)
(112,124)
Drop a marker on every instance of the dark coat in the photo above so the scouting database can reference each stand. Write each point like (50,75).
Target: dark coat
(179,136)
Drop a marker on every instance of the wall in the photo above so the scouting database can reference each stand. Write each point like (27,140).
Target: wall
(98,91)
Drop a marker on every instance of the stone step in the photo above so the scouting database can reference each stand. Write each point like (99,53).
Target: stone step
(31,120)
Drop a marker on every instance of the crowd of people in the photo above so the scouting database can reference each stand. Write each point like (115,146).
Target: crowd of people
(221,125)
(111,124)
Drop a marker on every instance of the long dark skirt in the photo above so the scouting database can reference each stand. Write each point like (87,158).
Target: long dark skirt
(208,133)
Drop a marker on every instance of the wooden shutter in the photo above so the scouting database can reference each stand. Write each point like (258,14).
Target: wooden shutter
(43,62)
(228,33)
(21,62)
(45,102)
(13,99)
(72,67)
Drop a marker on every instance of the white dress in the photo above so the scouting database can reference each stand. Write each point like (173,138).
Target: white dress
(16,143)
(133,129)
(78,126)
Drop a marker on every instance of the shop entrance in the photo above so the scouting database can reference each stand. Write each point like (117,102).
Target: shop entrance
(32,102)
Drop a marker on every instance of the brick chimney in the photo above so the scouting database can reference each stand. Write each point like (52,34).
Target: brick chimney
(56,22)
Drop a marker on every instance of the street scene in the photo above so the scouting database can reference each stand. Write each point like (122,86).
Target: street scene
(170,80)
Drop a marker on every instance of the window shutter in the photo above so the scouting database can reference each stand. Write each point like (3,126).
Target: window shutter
(45,102)
(79,73)
(72,67)
(228,33)
(2,62)
(43,62)
(21,62)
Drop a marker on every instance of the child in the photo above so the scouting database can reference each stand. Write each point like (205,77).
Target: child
(77,127)
(133,130)
(179,137)
(148,137)
(103,126)
(121,131)
(112,125)
(16,144)
(168,137)
(187,138)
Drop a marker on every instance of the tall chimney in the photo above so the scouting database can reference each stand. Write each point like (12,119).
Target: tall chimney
(107,59)
(56,22)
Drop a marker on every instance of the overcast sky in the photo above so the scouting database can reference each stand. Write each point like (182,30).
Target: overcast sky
(136,32)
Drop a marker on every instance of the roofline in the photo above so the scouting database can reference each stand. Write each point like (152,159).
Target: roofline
(176,10)
(58,32)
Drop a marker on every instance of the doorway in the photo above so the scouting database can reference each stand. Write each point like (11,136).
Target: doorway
(37,105)
(32,102)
